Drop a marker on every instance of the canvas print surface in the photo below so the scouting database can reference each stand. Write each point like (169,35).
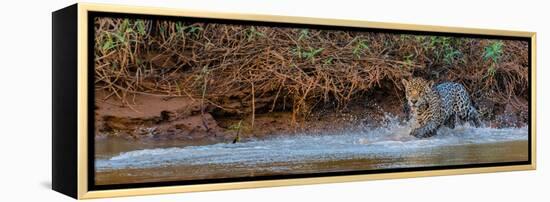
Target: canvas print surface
(184,99)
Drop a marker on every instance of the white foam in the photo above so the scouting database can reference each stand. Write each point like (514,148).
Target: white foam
(390,141)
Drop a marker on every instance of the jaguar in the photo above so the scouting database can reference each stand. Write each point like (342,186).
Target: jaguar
(432,107)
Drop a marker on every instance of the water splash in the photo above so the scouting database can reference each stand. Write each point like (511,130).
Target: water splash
(391,141)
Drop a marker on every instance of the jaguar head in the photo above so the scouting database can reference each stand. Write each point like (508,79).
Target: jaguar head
(416,89)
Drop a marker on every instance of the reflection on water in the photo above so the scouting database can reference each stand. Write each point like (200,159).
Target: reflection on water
(379,148)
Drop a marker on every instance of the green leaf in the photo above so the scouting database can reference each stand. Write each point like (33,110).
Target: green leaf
(360,48)
(251,33)
(140,27)
(303,34)
(493,51)
(108,44)
(328,60)
(119,37)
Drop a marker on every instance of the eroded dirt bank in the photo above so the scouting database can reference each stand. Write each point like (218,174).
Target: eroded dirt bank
(152,117)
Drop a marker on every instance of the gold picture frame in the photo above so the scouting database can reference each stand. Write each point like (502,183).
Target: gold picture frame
(74,158)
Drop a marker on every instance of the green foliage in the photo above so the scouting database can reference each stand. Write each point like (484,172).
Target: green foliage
(451,55)
(307,54)
(360,48)
(252,33)
(328,60)
(440,41)
(180,27)
(408,59)
(124,26)
(312,53)
(420,38)
(191,30)
(127,31)
(140,27)
(491,71)
(125,51)
(493,51)
(297,51)
(304,34)
(108,43)
(445,48)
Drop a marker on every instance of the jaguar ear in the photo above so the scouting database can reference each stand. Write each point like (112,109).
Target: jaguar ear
(405,82)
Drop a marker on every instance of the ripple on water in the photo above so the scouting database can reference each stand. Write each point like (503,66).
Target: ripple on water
(387,142)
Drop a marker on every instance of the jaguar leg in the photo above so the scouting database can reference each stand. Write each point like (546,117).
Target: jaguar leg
(428,130)
(451,121)
(474,116)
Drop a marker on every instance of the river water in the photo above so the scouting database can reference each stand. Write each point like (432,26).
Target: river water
(378,148)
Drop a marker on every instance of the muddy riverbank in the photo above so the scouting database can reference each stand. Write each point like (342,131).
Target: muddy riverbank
(156,119)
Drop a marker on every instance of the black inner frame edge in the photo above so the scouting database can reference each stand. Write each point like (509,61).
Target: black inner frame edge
(91,99)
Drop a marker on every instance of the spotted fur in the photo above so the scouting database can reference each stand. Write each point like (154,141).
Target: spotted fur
(432,107)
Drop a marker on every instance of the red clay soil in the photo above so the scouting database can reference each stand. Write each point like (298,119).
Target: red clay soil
(149,116)
(162,117)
